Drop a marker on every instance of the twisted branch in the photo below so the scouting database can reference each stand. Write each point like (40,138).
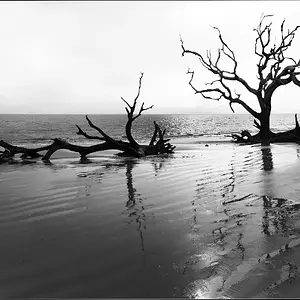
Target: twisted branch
(271,70)
(273,58)
(219,87)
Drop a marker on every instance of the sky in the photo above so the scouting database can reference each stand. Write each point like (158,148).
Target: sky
(81,57)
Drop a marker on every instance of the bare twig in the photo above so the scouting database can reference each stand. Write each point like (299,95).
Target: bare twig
(92,137)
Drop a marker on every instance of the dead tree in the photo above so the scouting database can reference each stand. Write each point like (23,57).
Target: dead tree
(157,145)
(274,69)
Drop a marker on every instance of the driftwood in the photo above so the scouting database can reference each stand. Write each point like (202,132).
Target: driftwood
(289,136)
(157,144)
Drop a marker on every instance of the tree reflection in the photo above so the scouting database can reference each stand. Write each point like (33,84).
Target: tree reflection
(269,223)
(131,190)
(267,159)
(229,188)
(159,162)
(267,176)
(240,246)
(157,167)
(275,217)
(134,204)
(274,220)
(219,238)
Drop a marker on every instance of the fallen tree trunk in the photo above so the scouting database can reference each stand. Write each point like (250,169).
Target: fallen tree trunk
(154,148)
(289,136)
(157,145)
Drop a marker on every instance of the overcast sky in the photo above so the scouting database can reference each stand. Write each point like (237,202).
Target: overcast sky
(81,57)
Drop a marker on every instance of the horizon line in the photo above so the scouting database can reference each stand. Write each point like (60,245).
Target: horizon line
(208,113)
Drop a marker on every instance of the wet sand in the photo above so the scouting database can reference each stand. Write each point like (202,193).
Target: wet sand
(212,220)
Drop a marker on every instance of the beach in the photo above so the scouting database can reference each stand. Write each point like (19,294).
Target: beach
(211,220)
(149,149)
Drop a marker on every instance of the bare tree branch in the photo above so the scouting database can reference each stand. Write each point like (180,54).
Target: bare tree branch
(130,113)
(225,93)
(141,110)
(213,67)
(272,72)
(153,139)
(92,137)
(296,81)
(105,136)
(126,102)
(272,59)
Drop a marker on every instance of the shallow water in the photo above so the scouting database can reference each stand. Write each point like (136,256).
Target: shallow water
(190,224)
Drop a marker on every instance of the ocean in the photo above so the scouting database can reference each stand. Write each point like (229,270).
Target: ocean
(26,130)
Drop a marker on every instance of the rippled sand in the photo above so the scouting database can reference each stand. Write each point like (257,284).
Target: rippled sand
(207,221)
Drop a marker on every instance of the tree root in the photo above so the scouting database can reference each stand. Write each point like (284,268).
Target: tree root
(290,136)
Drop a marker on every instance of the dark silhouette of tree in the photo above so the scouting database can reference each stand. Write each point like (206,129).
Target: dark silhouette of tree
(267,159)
(135,206)
(157,145)
(274,69)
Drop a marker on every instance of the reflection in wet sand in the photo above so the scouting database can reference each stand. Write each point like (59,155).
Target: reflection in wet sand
(274,222)
(135,210)
(198,223)
(267,158)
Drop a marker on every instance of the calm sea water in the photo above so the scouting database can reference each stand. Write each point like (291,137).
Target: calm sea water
(39,129)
